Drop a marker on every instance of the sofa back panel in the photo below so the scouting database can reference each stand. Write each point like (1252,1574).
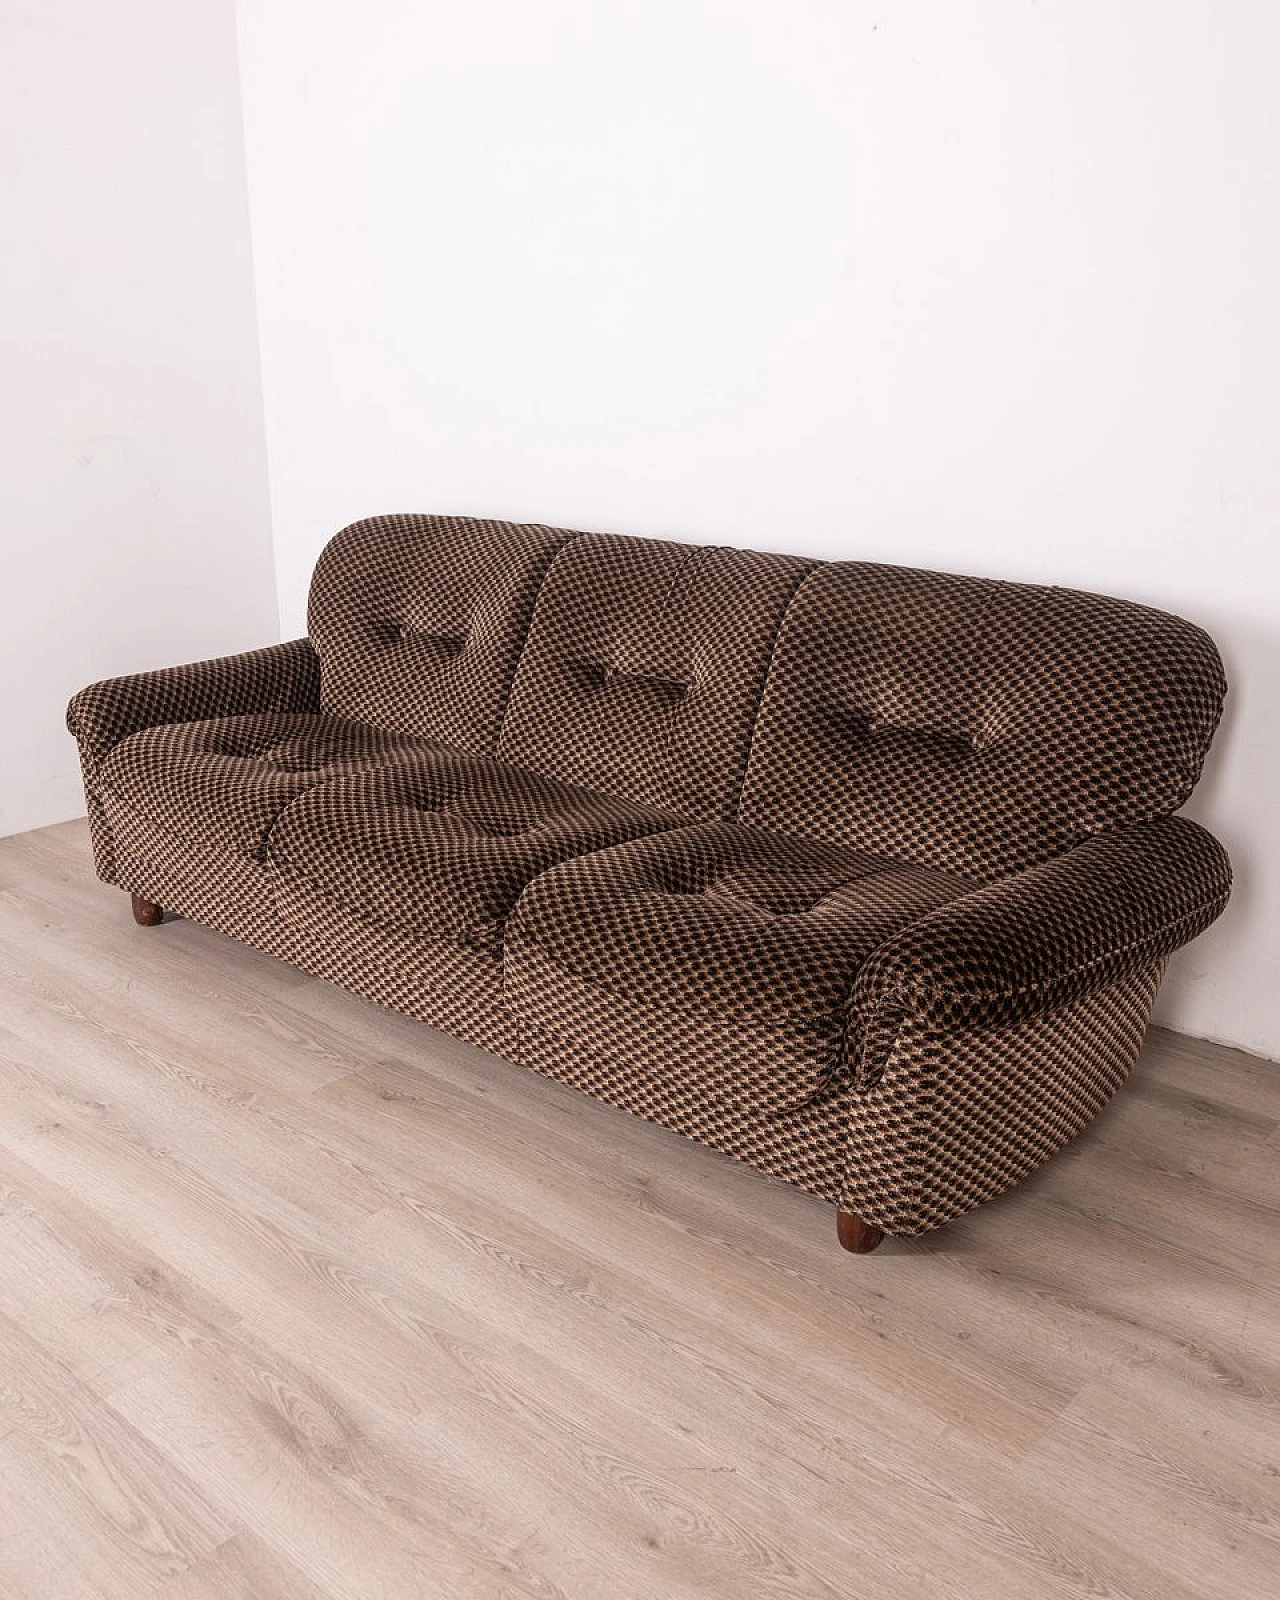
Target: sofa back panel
(418,621)
(644,667)
(973,725)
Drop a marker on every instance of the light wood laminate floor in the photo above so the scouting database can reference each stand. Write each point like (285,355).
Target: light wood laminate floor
(302,1299)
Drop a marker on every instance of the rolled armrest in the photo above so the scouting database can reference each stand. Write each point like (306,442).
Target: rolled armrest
(1038,940)
(281,677)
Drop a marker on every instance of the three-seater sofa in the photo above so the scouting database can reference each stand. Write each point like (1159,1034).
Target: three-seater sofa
(866,876)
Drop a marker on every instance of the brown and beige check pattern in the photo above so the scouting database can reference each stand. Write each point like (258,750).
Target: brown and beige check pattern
(862,875)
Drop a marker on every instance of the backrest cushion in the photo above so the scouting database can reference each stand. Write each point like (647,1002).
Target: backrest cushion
(644,667)
(418,621)
(973,725)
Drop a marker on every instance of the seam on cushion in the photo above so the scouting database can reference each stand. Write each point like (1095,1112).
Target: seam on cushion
(186,843)
(518,661)
(634,999)
(179,839)
(826,1085)
(375,766)
(377,927)
(628,997)
(878,1039)
(268,839)
(263,852)
(284,863)
(258,853)
(526,629)
(930,1129)
(97,761)
(979,652)
(692,556)
(906,1201)
(734,813)
(578,1042)
(1011,992)
(262,849)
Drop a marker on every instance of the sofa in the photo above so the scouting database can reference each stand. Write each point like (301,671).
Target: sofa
(863,875)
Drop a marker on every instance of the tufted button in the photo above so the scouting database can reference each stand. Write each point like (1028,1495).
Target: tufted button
(955,743)
(672,688)
(493,823)
(452,644)
(445,644)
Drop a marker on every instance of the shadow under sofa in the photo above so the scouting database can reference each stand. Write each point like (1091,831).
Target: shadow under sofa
(864,875)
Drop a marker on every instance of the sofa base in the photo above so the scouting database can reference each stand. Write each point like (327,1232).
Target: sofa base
(446,985)
(834,1147)
(232,894)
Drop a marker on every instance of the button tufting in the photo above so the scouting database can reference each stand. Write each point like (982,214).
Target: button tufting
(498,827)
(598,675)
(952,741)
(448,644)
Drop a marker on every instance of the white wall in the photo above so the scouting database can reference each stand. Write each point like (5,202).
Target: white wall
(134,518)
(987,287)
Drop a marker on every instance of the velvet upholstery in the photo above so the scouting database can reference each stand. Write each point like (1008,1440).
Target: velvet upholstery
(738,948)
(975,725)
(227,781)
(417,621)
(644,667)
(281,678)
(863,875)
(441,844)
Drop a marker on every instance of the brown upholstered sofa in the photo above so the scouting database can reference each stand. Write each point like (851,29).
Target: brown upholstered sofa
(866,876)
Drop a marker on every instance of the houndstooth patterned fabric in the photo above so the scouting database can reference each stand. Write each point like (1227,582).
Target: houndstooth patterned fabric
(418,621)
(644,667)
(957,1118)
(441,844)
(971,725)
(457,989)
(279,678)
(920,958)
(214,886)
(728,950)
(449,985)
(806,1146)
(1043,938)
(227,781)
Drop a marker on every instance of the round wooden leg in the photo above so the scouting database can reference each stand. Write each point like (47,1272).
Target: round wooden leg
(856,1235)
(146,913)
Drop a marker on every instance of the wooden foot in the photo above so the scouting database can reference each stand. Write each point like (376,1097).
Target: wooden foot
(146,913)
(855,1234)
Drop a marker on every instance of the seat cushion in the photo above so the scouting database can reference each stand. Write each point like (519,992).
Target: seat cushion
(441,844)
(721,953)
(225,782)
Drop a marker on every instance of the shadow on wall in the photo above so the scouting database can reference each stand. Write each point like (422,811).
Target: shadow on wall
(1234,969)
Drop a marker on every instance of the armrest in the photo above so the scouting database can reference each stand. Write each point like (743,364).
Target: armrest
(1045,937)
(281,677)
